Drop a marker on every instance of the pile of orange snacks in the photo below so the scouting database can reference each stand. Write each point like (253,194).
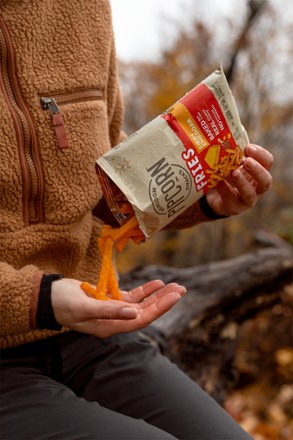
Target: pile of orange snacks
(166,166)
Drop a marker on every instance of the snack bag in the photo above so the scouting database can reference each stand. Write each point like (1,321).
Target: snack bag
(166,166)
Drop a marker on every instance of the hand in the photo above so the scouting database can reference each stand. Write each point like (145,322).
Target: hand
(139,307)
(246,184)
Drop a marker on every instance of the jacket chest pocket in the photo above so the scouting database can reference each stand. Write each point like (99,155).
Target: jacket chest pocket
(54,104)
(73,134)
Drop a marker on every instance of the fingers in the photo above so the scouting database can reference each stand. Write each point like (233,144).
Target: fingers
(156,304)
(253,177)
(153,297)
(260,155)
(258,164)
(145,316)
(158,308)
(245,187)
(165,303)
(154,307)
(162,293)
(260,175)
(146,312)
(140,293)
(145,293)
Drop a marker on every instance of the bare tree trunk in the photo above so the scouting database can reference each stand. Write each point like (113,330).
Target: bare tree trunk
(255,9)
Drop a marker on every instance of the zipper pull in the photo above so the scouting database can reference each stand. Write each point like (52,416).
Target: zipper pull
(57,121)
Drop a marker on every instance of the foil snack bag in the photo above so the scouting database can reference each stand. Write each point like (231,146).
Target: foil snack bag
(166,166)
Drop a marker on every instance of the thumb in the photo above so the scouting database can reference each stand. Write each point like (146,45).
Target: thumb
(101,309)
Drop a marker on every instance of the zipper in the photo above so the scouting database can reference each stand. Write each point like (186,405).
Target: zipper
(57,121)
(50,103)
(77,96)
(28,149)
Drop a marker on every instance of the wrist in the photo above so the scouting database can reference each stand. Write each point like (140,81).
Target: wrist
(207,211)
(45,317)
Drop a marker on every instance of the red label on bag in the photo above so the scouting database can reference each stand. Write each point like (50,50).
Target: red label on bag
(211,152)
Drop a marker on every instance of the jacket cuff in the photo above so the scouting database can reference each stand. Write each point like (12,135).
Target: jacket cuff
(45,318)
(207,211)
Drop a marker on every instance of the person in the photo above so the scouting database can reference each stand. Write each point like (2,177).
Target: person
(73,367)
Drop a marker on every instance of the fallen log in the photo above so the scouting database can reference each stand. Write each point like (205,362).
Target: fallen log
(216,285)
(200,332)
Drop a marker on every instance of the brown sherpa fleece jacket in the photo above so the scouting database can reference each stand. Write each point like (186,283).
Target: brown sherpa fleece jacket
(61,50)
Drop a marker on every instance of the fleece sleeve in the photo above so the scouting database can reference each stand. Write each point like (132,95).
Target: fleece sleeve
(19,292)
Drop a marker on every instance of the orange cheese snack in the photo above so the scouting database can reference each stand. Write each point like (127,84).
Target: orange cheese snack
(107,286)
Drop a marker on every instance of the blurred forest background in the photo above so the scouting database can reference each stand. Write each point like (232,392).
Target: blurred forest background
(256,51)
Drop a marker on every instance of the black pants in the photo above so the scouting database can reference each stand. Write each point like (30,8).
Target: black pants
(75,386)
